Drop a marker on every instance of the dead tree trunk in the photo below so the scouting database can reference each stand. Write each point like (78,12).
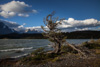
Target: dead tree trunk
(82,54)
(57,48)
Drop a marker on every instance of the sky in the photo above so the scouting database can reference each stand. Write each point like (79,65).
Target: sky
(78,14)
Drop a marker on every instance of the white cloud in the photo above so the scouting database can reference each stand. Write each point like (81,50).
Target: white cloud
(34,11)
(72,25)
(7,14)
(66,26)
(35,28)
(79,23)
(18,8)
(22,26)
(23,15)
(70,19)
(82,29)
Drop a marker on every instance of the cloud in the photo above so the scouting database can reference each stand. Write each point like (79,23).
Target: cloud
(67,25)
(7,14)
(23,15)
(22,26)
(38,28)
(16,8)
(71,22)
(72,25)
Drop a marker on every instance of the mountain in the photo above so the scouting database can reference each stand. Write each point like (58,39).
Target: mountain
(13,26)
(29,31)
(4,29)
(7,27)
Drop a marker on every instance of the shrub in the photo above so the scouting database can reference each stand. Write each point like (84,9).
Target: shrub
(67,49)
(39,56)
(43,56)
(38,51)
(55,59)
(92,44)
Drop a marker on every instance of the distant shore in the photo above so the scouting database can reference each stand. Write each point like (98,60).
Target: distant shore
(70,35)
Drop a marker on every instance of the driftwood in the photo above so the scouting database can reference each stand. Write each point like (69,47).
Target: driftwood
(82,51)
(78,50)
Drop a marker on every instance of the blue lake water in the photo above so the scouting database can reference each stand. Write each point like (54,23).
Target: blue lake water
(10,47)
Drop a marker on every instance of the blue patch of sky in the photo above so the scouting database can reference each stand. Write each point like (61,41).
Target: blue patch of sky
(77,9)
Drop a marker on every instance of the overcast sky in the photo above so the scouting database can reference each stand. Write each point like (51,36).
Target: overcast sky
(79,14)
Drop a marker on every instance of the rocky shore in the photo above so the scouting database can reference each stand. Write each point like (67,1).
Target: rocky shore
(67,60)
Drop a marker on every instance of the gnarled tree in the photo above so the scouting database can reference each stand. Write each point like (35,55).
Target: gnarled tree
(53,33)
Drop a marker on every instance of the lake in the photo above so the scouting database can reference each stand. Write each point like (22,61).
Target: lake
(10,47)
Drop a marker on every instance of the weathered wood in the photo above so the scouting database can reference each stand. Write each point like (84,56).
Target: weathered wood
(53,32)
(78,50)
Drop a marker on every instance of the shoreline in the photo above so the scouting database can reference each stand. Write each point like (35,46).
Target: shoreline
(67,58)
(64,60)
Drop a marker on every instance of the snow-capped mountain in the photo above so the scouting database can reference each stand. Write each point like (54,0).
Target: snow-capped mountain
(7,27)
(4,29)
(32,31)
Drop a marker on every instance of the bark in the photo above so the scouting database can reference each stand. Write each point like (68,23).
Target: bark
(57,48)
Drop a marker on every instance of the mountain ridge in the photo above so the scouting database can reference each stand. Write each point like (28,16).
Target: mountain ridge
(4,29)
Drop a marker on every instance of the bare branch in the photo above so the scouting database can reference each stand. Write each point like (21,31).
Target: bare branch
(82,53)
(44,29)
(44,21)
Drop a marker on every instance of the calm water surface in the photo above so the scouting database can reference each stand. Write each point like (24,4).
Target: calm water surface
(10,47)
